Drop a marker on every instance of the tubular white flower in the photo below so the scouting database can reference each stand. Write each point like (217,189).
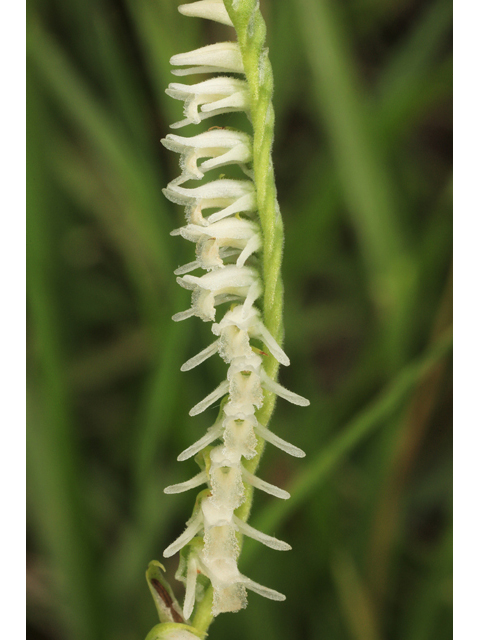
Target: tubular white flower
(222,94)
(228,243)
(223,146)
(221,285)
(219,241)
(250,323)
(230,196)
(214,58)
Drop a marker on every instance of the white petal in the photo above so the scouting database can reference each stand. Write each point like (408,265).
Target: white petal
(228,190)
(244,204)
(254,293)
(183,315)
(216,394)
(191,266)
(196,481)
(229,277)
(209,9)
(277,352)
(200,357)
(265,486)
(193,527)
(220,57)
(253,245)
(271,594)
(238,101)
(212,434)
(190,586)
(268,541)
(218,87)
(228,229)
(241,154)
(276,388)
(269,436)
(204,115)
(212,139)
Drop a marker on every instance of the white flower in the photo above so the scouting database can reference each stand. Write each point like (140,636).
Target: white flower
(244,386)
(210,9)
(222,285)
(230,196)
(251,323)
(236,432)
(228,582)
(217,557)
(223,146)
(214,58)
(220,240)
(222,94)
(225,478)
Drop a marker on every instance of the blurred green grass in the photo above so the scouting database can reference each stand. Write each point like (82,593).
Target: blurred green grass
(363,164)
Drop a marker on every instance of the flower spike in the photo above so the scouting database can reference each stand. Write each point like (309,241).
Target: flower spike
(236,227)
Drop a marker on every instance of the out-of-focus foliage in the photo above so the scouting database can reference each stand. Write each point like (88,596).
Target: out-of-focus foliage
(362,157)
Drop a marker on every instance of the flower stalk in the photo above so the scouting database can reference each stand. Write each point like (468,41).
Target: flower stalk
(237,228)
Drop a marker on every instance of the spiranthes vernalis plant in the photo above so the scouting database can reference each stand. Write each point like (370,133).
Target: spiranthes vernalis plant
(239,248)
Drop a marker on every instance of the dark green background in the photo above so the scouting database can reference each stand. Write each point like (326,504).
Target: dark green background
(363,164)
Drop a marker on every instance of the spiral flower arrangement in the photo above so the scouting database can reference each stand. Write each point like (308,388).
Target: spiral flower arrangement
(238,247)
